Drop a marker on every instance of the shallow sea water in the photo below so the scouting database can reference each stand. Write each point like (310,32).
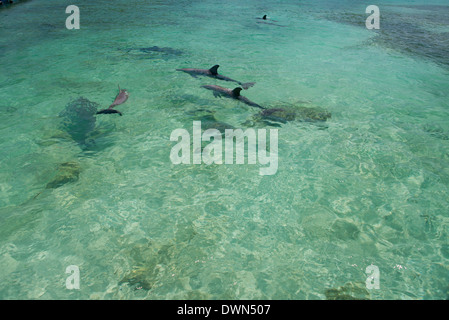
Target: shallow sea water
(370,187)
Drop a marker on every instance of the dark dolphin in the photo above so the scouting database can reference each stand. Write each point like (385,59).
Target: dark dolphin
(265,18)
(78,120)
(78,123)
(164,50)
(228,93)
(154,52)
(213,73)
(121,98)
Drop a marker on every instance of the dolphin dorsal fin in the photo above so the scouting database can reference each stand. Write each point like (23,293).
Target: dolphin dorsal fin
(265,17)
(236,91)
(214,69)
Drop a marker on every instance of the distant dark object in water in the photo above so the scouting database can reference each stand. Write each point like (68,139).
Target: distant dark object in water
(78,119)
(213,73)
(165,50)
(425,7)
(121,97)
(283,114)
(265,18)
(228,93)
(7,2)
(156,52)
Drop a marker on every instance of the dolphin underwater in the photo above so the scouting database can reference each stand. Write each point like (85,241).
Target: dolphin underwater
(164,50)
(213,73)
(121,98)
(78,120)
(228,93)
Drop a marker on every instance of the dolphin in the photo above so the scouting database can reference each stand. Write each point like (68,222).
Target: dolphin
(265,18)
(164,50)
(153,52)
(228,93)
(78,120)
(121,98)
(212,72)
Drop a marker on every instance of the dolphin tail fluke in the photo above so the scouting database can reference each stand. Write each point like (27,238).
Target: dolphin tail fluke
(109,111)
(247,85)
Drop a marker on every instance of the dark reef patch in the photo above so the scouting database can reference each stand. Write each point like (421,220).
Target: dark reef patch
(417,32)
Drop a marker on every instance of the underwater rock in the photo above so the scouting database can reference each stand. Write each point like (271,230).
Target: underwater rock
(147,259)
(350,291)
(284,113)
(278,115)
(312,114)
(67,172)
(138,278)
(345,230)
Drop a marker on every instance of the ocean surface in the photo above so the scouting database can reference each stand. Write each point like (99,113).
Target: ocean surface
(367,185)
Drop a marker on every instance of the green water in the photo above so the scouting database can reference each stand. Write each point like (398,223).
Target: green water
(371,186)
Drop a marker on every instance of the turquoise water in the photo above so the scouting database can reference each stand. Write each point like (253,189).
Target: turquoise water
(371,186)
